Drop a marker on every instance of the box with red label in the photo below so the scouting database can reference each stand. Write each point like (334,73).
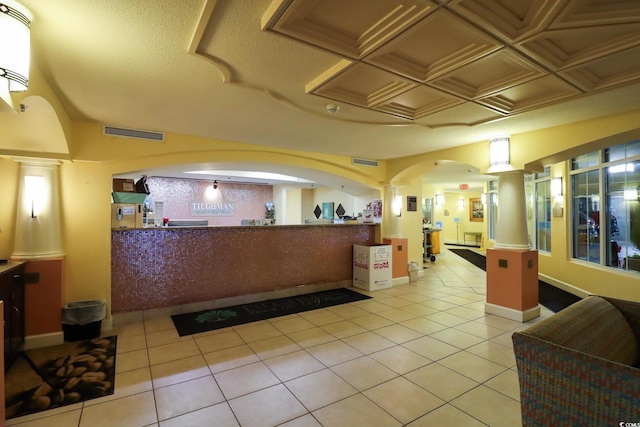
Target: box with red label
(372,267)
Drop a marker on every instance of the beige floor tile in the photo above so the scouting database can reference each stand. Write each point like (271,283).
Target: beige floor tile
(344,329)
(372,322)
(424,326)
(320,389)
(472,366)
(348,311)
(457,338)
(396,302)
(499,322)
(167,336)
(504,339)
(268,407)
(494,352)
(398,333)
(132,360)
(294,365)
(273,347)
(397,315)
(132,411)
(373,306)
(506,383)
(446,415)
(178,371)
(292,324)
(63,417)
(368,342)
(188,396)
(479,329)
(129,343)
(258,331)
(441,381)
(322,317)
(158,324)
(221,413)
(334,352)
(128,329)
(392,397)
(364,372)
(400,359)
(174,351)
(439,305)
(419,309)
(245,379)
(303,421)
(215,342)
(311,337)
(355,411)
(229,358)
(128,383)
(490,407)
(446,318)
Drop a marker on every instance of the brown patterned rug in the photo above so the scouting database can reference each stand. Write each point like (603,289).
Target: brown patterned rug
(50,377)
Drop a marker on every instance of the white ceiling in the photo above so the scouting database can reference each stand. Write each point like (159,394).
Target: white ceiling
(408,76)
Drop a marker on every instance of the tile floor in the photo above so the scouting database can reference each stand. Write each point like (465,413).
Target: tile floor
(421,354)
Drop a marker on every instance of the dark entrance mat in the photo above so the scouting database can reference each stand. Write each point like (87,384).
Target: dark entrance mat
(50,377)
(548,295)
(207,320)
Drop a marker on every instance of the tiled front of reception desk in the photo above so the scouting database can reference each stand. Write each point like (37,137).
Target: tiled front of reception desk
(154,268)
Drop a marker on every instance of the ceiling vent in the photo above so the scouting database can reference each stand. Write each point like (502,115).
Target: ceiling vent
(133,133)
(364,162)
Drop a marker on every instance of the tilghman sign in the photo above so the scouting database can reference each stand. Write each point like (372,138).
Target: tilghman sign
(212,209)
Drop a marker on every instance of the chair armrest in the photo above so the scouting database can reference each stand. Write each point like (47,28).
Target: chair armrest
(631,312)
(560,386)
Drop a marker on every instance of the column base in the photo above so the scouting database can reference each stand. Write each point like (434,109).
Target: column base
(511,313)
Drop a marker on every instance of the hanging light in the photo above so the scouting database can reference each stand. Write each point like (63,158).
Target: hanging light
(15,23)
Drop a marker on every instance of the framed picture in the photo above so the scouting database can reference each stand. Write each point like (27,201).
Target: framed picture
(327,210)
(476,210)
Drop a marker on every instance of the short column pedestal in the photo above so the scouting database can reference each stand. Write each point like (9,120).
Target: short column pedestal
(512,284)
(400,259)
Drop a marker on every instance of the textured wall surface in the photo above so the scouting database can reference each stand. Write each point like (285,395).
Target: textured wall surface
(164,267)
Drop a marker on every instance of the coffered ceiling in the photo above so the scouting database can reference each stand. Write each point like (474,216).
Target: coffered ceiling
(373,79)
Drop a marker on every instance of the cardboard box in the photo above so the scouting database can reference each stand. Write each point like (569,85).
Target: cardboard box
(372,267)
(123,185)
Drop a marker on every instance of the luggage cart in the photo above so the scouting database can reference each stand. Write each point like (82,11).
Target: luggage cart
(431,242)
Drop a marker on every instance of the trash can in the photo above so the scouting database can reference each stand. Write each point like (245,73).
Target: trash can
(82,320)
(413,271)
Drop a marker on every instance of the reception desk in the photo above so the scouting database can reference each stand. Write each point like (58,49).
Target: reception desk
(164,267)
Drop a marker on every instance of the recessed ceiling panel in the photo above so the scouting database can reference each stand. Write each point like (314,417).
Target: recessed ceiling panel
(583,13)
(363,85)
(418,102)
(351,28)
(467,114)
(509,19)
(613,70)
(437,44)
(564,48)
(537,93)
(492,73)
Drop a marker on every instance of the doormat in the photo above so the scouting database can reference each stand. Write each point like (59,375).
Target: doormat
(549,296)
(208,320)
(51,377)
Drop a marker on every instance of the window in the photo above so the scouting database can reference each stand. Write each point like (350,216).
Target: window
(606,207)
(539,200)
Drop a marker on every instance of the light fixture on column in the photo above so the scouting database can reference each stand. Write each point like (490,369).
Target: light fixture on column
(397,205)
(439,199)
(15,23)
(499,151)
(556,186)
(34,195)
(461,203)
(483,198)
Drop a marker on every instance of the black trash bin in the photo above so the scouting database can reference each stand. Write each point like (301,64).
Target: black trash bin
(82,320)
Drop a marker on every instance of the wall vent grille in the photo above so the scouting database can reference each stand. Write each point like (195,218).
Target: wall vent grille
(364,162)
(133,133)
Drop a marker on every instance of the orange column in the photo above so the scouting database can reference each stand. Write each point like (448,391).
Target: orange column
(399,259)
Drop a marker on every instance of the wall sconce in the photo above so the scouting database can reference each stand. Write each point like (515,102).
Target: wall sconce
(34,194)
(439,199)
(461,203)
(630,194)
(15,23)
(396,206)
(483,198)
(556,186)
(499,151)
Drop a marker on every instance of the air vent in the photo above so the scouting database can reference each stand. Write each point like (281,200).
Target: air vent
(133,133)
(364,162)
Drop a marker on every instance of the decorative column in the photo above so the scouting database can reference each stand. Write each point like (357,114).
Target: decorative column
(512,266)
(38,241)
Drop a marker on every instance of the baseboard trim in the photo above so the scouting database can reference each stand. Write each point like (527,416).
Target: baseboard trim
(511,313)
(43,340)
(564,286)
(403,280)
